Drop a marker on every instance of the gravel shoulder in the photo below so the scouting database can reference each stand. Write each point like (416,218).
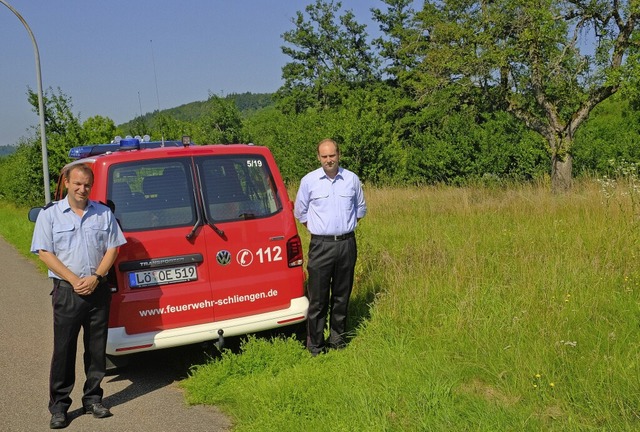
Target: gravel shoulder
(144,396)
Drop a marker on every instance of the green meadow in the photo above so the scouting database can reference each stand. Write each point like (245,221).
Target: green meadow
(474,309)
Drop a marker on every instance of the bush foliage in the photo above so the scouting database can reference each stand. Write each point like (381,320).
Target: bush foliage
(457,149)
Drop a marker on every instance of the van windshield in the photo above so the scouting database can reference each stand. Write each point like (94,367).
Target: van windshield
(160,193)
(237,187)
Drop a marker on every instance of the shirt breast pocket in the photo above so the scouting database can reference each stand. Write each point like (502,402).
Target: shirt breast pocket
(318,199)
(347,201)
(98,236)
(64,237)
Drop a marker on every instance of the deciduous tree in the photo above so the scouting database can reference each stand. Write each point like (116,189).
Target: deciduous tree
(399,40)
(548,62)
(98,130)
(329,57)
(62,127)
(221,124)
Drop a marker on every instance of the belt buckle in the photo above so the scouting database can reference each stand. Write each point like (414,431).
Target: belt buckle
(336,237)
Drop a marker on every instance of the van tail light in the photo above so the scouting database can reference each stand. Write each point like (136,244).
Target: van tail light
(294,251)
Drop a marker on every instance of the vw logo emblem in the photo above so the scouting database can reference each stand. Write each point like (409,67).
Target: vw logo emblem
(223,257)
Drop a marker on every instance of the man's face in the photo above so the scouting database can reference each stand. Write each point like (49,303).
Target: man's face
(329,158)
(78,186)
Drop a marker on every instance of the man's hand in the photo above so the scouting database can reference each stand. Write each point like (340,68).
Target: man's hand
(86,285)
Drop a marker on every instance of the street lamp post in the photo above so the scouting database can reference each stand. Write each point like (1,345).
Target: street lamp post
(43,137)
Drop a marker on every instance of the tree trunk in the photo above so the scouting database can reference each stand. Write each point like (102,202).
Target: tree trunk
(561,176)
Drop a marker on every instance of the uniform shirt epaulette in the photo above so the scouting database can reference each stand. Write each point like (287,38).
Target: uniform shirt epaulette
(49,204)
(109,204)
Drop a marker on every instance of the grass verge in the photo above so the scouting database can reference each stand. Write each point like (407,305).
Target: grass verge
(17,230)
(473,309)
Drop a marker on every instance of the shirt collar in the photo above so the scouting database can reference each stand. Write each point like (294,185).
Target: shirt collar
(324,175)
(64,203)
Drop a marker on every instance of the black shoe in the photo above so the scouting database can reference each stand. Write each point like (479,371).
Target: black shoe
(336,345)
(315,351)
(58,421)
(98,410)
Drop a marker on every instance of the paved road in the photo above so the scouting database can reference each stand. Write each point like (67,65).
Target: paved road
(143,397)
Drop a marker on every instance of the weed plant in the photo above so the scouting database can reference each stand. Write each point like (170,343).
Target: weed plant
(483,309)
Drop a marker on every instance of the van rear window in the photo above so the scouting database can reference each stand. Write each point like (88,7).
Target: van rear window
(160,194)
(237,188)
(153,194)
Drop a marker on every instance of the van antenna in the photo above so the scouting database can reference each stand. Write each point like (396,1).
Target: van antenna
(153,59)
(140,105)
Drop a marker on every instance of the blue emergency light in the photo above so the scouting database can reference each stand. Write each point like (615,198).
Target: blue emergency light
(123,144)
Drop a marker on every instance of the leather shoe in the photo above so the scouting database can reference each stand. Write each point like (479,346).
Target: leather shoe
(58,421)
(98,410)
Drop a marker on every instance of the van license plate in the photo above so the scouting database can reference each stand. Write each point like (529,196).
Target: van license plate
(162,276)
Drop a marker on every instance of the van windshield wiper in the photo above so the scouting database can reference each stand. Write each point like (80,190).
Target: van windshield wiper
(198,221)
(216,229)
(194,229)
(203,212)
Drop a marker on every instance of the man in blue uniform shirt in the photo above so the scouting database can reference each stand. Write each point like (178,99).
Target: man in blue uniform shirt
(329,203)
(78,240)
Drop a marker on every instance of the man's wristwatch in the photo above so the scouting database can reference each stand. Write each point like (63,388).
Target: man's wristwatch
(101,279)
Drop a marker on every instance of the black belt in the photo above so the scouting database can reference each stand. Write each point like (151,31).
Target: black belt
(333,237)
(65,283)
(62,282)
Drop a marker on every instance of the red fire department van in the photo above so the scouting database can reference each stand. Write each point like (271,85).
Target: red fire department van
(212,246)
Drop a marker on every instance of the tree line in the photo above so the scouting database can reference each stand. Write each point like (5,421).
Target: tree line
(448,92)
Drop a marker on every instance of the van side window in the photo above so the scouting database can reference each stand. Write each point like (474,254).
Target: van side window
(152,194)
(237,188)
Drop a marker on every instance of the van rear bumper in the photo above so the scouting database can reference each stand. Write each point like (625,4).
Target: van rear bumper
(120,343)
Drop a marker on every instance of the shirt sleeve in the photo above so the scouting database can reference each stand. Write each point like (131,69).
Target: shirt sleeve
(116,237)
(301,206)
(361,205)
(42,233)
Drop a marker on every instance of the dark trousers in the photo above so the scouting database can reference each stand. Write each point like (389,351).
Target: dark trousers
(70,313)
(331,266)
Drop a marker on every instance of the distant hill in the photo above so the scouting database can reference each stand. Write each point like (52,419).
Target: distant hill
(245,102)
(6,150)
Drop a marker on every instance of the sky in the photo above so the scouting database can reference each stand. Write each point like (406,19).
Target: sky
(121,58)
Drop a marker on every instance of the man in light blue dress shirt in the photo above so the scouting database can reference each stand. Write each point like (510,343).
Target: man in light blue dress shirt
(78,240)
(330,202)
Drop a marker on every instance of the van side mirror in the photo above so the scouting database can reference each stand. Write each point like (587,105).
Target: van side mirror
(33,213)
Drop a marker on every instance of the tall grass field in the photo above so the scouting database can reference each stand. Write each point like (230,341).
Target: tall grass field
(474,309)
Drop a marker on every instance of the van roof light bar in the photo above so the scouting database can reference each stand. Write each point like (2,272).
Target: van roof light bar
(123,144)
